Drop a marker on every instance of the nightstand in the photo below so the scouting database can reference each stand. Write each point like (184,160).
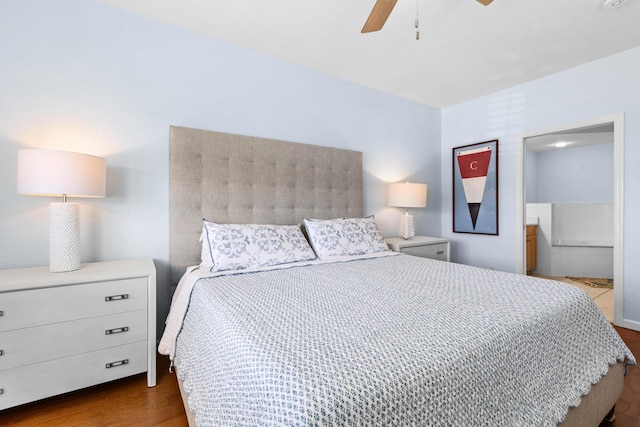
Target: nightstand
(422,246)
(65,331)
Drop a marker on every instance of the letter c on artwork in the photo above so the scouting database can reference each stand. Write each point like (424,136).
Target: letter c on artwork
(473,165)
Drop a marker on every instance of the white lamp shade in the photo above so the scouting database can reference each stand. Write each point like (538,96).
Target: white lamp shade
(408,195)
(57,173)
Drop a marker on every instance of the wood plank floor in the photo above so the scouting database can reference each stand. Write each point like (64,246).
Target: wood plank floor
(628,406)
(125,402)
(129,402)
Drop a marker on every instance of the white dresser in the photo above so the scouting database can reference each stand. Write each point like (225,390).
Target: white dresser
(65,331)
(422,246)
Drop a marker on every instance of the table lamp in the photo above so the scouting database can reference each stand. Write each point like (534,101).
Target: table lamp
(65,174)
(407,195)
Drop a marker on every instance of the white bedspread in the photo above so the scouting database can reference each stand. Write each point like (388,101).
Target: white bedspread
(390,341)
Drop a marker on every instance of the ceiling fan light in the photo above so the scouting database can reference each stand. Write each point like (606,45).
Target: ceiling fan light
(612,4)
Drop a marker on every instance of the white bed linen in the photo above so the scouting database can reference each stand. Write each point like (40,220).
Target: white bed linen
(390,341)
(180,300)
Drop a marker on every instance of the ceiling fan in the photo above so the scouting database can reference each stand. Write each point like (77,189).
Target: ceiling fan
(381,11)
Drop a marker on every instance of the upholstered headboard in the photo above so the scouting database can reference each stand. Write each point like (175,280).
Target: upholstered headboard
(230,178)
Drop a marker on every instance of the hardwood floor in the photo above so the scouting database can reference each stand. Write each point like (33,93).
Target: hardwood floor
(129,402)
(125,402)
(628,406)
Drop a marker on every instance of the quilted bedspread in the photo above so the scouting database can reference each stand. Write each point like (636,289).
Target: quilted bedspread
(396,340)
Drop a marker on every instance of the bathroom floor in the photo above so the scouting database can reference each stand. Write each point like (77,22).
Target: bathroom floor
(603,297)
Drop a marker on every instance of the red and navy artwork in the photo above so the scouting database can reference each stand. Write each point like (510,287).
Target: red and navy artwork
(475,188)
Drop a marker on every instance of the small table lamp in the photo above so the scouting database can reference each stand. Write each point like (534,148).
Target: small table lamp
(407,195)
(66,174)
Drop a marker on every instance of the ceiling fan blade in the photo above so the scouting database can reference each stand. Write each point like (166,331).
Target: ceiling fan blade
(485,2)
(379,15)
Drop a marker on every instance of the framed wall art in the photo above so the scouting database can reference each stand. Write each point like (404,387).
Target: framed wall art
(475,188)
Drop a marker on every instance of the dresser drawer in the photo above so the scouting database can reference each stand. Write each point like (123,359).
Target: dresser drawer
(436,251)
(34,382)
(23,309)
(25,346)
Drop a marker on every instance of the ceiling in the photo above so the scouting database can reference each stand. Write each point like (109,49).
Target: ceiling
(465,49)
(572,138)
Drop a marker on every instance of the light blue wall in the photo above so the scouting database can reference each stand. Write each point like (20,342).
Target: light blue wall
(580,174)
(78,75)
(81,76)
(609,85)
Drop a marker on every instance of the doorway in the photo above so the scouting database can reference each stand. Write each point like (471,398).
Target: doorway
(613,123)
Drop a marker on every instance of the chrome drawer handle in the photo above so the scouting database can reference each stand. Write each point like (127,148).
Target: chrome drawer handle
(116,297)
(118,363)
(116,330)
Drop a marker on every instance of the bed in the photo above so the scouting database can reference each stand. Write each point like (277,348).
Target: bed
(349,333)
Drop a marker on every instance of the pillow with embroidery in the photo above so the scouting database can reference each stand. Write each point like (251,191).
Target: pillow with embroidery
(344,236)
(243,246)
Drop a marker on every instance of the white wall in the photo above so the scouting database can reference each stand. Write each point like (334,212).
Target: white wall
(81,76)
(571,174)
(599,88)
(573,239)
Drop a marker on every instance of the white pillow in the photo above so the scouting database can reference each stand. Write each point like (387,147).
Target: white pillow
(344,236)
(242,246)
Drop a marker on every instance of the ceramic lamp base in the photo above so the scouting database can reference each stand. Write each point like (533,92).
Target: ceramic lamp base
(407,230)
(64,237)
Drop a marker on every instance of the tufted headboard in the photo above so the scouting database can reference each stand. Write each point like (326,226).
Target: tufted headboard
(229,178)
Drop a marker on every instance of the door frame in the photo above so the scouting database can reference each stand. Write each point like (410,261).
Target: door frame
(618,203)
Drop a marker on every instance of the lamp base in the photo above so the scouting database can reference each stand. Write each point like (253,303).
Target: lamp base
(407,230)
(64,237)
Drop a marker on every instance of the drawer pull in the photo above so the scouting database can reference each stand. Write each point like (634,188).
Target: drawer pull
(1,313)
(1,352)
(118,363)
(440,252)
(116,330)
(1,391)
(116,297)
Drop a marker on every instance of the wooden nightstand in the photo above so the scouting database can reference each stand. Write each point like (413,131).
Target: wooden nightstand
(65,331)
(422,246)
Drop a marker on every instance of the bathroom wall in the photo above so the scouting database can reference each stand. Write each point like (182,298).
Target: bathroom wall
(574,239)
(580,174)
(582,224)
